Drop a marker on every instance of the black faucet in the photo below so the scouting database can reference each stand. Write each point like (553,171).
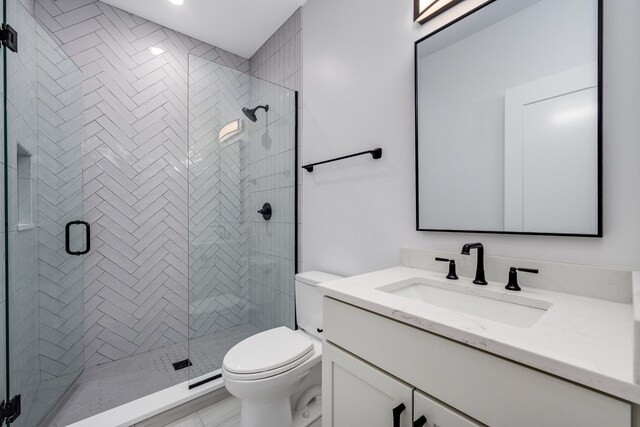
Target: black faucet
(466,250)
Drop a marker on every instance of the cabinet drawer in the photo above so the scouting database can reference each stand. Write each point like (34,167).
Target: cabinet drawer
(489,389)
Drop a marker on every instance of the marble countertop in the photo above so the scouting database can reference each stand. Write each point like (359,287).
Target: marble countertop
(585,340)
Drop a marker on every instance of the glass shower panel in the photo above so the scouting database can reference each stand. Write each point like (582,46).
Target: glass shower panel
(45,283)
(241,266)
(272,179)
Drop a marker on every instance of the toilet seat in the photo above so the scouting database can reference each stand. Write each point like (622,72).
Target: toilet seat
(267,354)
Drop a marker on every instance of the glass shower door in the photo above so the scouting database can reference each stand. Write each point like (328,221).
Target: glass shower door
(241,263)
(44,240)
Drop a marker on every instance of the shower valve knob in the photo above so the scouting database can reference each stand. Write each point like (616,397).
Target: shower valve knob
(266,211)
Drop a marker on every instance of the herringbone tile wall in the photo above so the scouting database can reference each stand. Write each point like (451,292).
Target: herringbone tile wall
(59,166)
(135,171)
(218,199)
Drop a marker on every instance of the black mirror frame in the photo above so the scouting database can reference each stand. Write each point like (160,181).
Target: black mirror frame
(599,233)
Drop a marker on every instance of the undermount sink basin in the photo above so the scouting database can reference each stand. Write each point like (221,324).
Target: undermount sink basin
(514,310)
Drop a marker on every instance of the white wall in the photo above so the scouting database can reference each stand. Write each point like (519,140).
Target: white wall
(359,93)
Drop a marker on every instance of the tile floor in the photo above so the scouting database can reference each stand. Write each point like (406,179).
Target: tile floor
(227,414)
(106,386)
(222,414)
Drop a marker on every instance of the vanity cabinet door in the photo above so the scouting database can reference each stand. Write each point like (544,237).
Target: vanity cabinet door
(436,414)
(355,393)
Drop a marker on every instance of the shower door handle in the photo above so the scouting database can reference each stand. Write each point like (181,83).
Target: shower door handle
(67,237)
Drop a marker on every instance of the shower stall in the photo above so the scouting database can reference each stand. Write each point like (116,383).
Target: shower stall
(134,253)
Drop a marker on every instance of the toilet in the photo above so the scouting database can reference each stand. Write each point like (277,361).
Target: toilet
(276,374)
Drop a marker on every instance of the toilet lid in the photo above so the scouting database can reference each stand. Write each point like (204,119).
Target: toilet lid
(267,351)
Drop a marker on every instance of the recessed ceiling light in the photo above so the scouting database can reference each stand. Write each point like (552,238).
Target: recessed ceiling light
(177,2)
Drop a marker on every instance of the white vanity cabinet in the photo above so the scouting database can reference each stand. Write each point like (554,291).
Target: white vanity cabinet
(361,395)
(371,364)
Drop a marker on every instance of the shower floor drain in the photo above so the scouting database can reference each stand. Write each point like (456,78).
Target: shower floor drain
(182,364)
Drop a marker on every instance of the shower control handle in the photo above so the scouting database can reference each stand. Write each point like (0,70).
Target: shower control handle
(266,211)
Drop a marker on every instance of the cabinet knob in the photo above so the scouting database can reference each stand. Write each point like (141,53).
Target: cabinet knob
(397,411)
(420,422)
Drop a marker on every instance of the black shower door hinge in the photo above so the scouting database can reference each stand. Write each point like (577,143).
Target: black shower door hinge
(9,37)
(10,410)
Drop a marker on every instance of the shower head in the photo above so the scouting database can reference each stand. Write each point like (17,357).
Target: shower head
(251,112)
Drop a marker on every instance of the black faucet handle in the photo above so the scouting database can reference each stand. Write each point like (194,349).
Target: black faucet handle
(452,267)
(512,285)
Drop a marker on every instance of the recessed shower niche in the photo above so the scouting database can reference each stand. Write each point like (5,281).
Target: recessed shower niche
(25,189)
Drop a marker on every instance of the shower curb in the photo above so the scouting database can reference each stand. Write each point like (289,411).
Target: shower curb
(142,409)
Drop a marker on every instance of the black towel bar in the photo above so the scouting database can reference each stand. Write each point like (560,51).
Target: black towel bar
(376,153)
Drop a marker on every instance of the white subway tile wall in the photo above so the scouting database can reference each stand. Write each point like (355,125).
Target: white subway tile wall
(135,171)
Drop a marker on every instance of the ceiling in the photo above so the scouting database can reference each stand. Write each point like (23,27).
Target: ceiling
(239,26)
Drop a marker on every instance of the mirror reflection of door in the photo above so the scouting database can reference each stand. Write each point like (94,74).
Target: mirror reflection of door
(551,153)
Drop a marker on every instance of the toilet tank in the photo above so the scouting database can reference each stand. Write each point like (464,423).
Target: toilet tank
(309,301)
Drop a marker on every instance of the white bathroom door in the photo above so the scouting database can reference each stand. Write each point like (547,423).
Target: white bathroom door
(551,154)
(357,394)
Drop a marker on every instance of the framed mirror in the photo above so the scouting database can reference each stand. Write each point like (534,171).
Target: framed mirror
(509,120)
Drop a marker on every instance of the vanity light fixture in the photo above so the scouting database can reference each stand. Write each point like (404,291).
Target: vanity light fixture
(424,10)
(177,2)
(230,129)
